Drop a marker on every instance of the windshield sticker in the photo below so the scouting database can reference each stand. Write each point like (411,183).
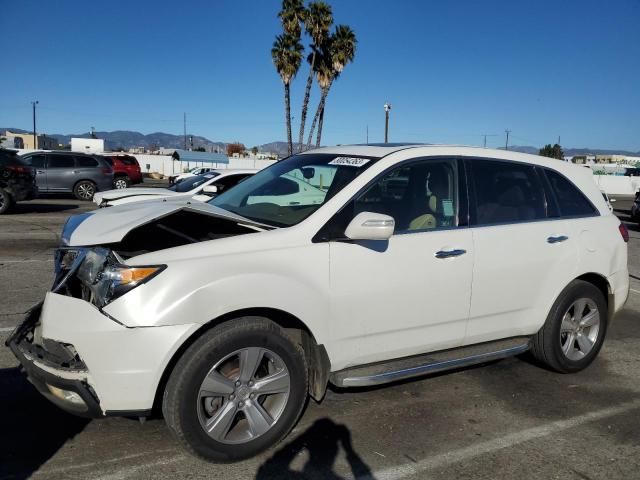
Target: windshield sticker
(349,161)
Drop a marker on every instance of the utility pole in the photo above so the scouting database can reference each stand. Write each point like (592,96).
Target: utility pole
(35,136)
(558,139)
(387,109)
(506,145)
(185,130)
(367,134)
(484,136)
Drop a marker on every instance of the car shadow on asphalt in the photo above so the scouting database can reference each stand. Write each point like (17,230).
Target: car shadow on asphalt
(32,429)
(321,442)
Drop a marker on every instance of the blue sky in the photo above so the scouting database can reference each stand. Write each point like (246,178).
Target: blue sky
(452,70)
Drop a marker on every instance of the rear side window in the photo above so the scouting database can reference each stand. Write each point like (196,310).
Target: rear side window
(86,162)
(130,162)
(36,161)
(61,161)
(571,201)
(506,192)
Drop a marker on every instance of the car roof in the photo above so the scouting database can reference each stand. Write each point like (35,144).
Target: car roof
(228,171)
(380,150)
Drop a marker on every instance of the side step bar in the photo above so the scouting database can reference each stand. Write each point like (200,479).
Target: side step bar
(409,367)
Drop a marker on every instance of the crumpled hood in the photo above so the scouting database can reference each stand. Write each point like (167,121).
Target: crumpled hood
(131,192)
(110,225)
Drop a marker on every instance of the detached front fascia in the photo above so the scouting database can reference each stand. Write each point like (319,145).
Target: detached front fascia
(123,365)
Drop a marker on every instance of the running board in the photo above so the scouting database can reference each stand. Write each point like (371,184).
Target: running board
(409,367)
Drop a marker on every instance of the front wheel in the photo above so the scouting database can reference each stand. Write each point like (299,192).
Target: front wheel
(84,190)
(575,329)
(238,390)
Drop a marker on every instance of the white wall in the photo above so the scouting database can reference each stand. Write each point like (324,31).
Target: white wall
(617,184)
(165,165)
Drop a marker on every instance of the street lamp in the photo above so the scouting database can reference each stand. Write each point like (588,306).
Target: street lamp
(387,109)
(35,137)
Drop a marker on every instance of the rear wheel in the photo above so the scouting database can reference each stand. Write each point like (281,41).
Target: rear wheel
(84,190)
(575,329)
(121,182)
(6,202)
(237,390)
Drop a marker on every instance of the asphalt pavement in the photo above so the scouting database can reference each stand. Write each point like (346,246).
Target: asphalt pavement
(504,420)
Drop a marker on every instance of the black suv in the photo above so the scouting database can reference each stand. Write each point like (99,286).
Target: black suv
(17,180)
(70,172)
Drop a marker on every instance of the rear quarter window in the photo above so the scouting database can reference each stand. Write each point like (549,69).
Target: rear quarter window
(571,201)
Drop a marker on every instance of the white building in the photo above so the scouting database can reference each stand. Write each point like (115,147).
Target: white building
(87,145)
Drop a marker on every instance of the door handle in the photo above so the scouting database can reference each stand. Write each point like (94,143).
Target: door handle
(450,253)
(557,239)
(40,172)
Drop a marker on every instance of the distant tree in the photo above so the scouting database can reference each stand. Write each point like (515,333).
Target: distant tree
(235,147)
(254,150)
(552,151)
(199,149)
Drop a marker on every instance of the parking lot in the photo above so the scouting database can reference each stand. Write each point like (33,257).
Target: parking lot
(508,419)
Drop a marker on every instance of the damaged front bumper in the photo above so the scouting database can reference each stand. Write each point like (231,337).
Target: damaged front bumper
(53,369)
(89,364)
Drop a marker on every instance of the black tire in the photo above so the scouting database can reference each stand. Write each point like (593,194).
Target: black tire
(84,190)
(547,343)
(180,405)
(121,182)
(6,201)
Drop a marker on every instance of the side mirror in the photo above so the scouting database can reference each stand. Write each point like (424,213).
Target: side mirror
(370,226)
(210,190)
(308,172)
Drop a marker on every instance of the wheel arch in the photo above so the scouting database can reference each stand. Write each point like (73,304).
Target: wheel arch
(317,358)
(601,282)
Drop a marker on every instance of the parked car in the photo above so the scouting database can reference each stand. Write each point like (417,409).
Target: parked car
(191,173)
(635,209)
(632,172)
(244,309)
(70,172)
(200,187)
(126,170)
(17,180)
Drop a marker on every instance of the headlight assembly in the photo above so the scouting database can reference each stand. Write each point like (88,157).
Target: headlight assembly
(106,278)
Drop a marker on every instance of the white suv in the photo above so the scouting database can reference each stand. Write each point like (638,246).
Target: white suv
(410,260)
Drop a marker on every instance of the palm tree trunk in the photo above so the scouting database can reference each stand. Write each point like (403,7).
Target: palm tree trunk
(287,109)
(315,121)
(305,102)
(320,123)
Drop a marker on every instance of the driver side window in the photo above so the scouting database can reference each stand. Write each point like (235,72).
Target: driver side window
(420,196)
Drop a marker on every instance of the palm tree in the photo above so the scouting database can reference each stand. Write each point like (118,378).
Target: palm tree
(287,57)
(317,22)
(340,50)
(292,16)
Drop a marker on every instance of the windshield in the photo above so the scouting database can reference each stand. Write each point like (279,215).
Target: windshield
(289,191)
(190,183)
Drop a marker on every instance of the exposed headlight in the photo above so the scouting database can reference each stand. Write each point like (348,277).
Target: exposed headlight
(107,278)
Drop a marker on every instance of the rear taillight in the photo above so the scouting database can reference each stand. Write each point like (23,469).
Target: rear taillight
(107,171)
(624,232)
(19,169)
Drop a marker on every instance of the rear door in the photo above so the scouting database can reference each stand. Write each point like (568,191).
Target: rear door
(524,251)
(39,162)
(60,172)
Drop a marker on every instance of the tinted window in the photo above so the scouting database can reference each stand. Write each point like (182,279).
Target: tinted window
(506,192)
(61,161)
(192,182)
(36,161)
(86,162)
(128,161)
(419,196)
(571,201)
(229,181)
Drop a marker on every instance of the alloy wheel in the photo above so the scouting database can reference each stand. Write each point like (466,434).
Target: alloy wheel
(579,329)
(86,191)
(242,397)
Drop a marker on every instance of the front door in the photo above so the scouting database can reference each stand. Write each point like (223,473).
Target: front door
(38,161)
(410,294)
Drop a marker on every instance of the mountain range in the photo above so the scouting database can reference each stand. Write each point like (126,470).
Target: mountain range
(128,139)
